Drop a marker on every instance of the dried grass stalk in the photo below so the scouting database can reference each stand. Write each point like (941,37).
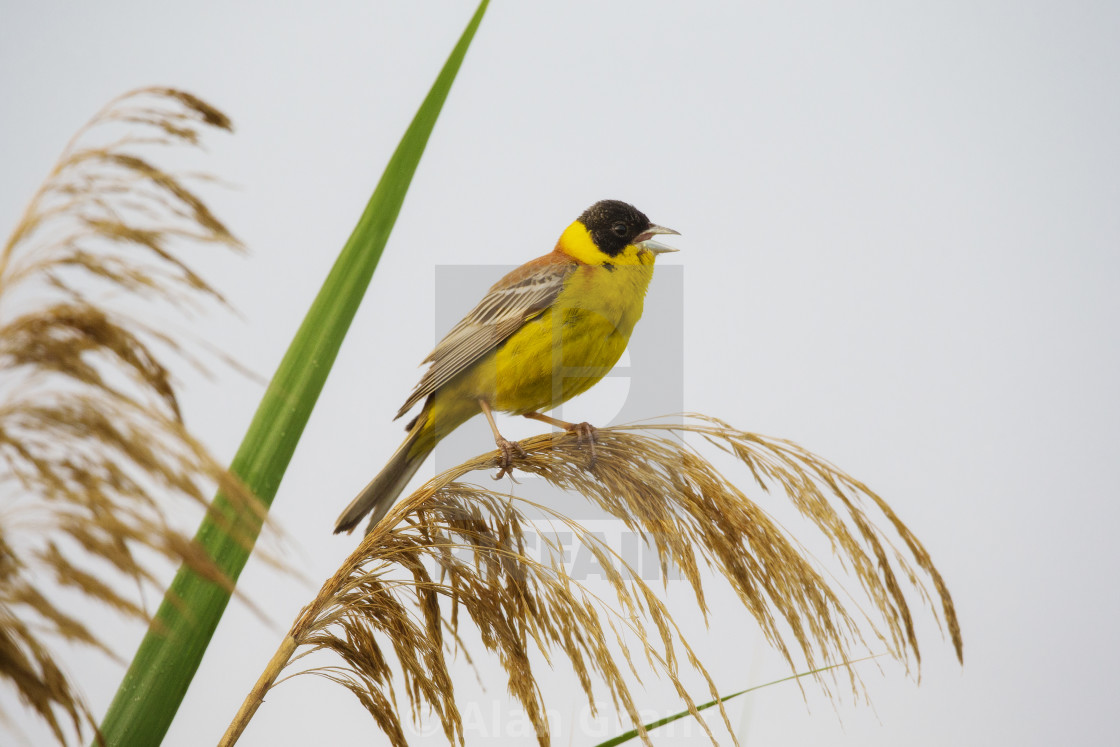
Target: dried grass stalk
(92,443)
(392,612)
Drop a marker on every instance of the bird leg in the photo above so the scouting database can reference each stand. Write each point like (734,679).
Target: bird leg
(584,431)
(507,447)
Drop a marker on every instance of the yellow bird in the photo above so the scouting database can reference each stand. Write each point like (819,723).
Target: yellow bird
(544,333)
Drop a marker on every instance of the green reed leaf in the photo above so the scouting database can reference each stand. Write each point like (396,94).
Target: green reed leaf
(633,733)
(170,653)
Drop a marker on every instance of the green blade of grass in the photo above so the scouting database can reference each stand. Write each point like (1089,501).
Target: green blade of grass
(169,655)
(633,733)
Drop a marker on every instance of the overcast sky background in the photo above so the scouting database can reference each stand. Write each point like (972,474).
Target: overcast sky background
(900,248)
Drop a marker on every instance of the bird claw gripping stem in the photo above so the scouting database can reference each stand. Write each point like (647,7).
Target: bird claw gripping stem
(585,432)
(508,449)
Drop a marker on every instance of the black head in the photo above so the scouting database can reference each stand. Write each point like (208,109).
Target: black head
(614,224)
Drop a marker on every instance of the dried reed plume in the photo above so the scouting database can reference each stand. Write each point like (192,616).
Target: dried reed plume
(92,443)
(452,548)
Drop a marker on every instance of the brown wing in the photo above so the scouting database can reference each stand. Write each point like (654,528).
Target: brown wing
(516,298)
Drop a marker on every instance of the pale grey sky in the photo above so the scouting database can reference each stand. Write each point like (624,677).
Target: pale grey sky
(900,235)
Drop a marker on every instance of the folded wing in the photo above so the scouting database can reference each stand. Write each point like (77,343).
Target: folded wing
(515,299)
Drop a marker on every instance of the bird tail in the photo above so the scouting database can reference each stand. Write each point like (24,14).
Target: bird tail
(378,497)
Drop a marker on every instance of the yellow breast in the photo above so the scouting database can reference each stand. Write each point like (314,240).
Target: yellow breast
(567,348)
(575,343)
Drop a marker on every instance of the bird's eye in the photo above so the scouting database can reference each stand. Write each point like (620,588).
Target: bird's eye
(619,229)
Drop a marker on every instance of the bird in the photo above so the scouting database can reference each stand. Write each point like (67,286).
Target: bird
(544,333)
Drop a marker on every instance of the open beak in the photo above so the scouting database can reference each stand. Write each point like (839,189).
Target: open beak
(645,239)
